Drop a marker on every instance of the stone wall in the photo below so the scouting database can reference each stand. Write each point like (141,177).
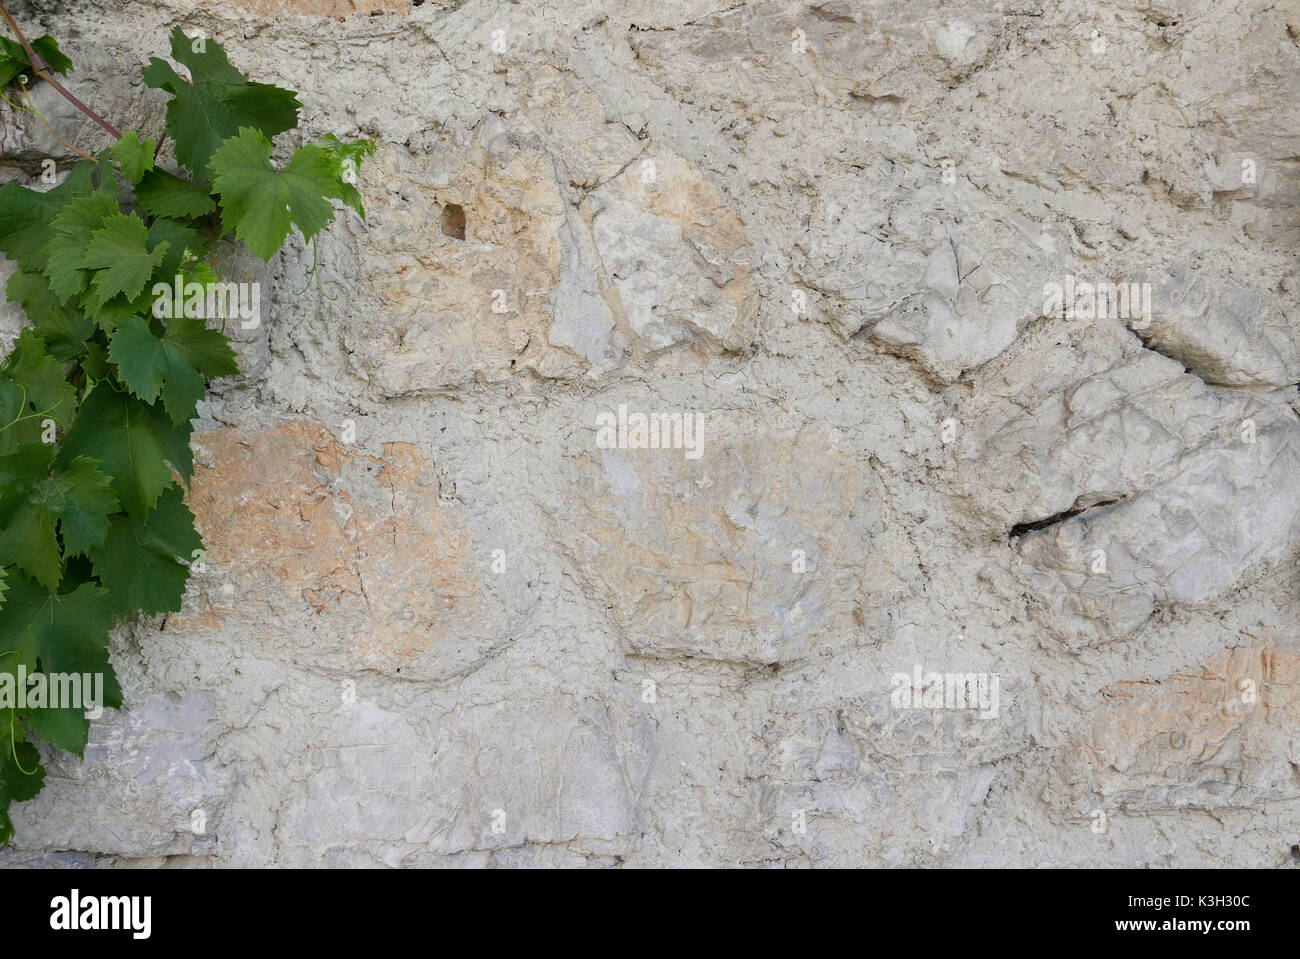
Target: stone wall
(441,624)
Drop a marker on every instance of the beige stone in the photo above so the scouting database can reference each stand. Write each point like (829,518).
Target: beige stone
(288,516)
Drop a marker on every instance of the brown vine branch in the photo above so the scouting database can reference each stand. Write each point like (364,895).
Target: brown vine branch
(42,70)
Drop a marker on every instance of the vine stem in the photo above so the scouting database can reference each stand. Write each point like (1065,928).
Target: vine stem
(41,69)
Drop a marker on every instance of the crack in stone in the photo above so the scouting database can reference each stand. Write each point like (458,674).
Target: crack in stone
(1020,529)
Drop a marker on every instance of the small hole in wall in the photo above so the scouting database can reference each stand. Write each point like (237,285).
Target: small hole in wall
(453,221)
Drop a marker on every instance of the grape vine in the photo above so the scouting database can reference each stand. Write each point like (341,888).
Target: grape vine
(98,393)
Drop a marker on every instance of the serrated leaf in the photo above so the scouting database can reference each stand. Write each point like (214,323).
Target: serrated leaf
(64,727)
(27,536)
(78,499)
(345,160)
(26,215)
(28,541)
(13,58)
(135,158)
(64,268)
(138,560)
(64,633)
(21,776)
(21,425)
(20,471)
(134,444)
(162,194)
(258,203)
(94,363)
(217,104)
(108,315)
(179,239)
(40,376)
(120,254)
(64,253)
(82,215)
(63,328)
(177,364)
(81,498)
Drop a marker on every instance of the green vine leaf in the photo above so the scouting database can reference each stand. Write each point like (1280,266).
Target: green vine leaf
(163,194)
(26,215)
(21,777)
(177,364)
(13,59)
(136,444)
(180,239)
(133,157)
(19,423)
(119,251)
(219,101)
(65,252)
(66,728)
(64,329)
(345,162)
(61,632)
(138,561)
(41,378)
(258,203)
(34,499)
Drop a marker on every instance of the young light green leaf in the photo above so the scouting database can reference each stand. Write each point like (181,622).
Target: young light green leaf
(135,158)
(258,203)
(345,161)
(120,253)
(65,252)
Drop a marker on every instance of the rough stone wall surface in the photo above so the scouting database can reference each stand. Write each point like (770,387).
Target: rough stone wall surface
(441,624)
